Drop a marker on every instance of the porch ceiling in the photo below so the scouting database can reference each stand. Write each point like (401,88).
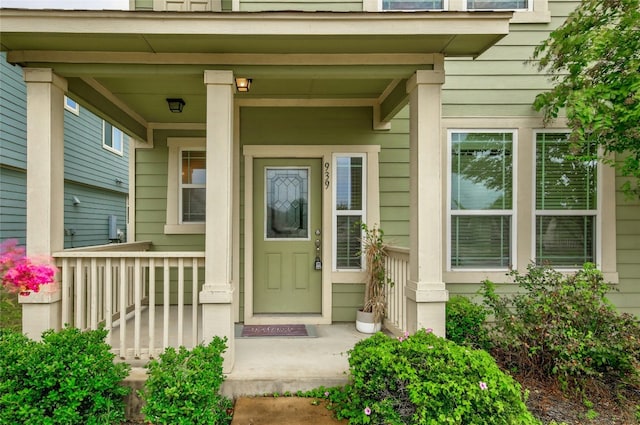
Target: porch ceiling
(124,64)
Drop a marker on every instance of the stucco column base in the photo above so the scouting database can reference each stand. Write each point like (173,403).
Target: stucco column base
(217,319)
(41,311)
(425,306)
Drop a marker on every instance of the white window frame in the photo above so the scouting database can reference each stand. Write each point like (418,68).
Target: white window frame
(335,212)
(538,11)
(187,186)
(174,224)
(71,106)
(529,8)
(115,132)
(445,6)
(513,213)
(597,212)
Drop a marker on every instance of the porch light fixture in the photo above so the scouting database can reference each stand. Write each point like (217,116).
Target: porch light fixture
(176,105)
(243,84)
(75,200)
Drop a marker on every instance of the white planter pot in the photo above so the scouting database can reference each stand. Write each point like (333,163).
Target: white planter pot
(365,323)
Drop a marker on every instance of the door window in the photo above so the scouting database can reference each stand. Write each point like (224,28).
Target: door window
(287,203)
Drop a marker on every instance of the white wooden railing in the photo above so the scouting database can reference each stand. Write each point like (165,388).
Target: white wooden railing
(397,264)
(142,298)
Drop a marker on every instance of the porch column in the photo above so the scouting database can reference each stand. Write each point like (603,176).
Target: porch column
(216,296)
(45,190)
(426,292)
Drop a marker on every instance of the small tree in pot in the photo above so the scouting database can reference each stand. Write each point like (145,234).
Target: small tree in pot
(369,318)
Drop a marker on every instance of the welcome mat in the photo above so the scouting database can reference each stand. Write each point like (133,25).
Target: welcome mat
(253,331)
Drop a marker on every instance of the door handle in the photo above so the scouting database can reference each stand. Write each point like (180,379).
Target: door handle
(317,263)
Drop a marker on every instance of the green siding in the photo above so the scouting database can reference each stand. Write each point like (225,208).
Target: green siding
(346,299)
(151,196)
(501,82)
(301,5)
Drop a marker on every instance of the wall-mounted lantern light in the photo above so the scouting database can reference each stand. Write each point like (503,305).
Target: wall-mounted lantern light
(243,84)
(176,104)
(75,201)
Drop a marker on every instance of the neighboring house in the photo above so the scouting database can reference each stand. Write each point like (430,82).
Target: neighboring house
(96,180)
(412,115)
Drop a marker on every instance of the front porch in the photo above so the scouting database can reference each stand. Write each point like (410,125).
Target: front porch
(150,300)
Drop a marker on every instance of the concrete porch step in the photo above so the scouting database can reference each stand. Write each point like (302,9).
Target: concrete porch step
(278,365)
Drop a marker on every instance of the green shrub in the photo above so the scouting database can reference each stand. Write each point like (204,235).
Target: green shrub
(10,310)
(465,323)
(67,378)
(563,326)
(183,386)
(426,380)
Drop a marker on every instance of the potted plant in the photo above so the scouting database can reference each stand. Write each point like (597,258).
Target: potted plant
(369,317)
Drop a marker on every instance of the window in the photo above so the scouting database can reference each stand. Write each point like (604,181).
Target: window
(71,106)
(566,201)
(481,199)
(192,186)
(499,5)
(412,4)
(186,186)
(112,138)
(348,209)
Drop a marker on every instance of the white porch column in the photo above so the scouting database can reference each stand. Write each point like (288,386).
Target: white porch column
(217,294)
(426,292)
(45,190)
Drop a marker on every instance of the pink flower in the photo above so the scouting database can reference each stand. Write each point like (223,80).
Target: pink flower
(483,385)
(404,336)
(429,330)
(367,411)
(21,274)
(326,393)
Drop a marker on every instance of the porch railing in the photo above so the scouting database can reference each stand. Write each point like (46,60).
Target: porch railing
(146,300)
(397,264)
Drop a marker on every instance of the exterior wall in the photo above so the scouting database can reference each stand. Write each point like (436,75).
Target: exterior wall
(500,84)
(90,170)
(151,196)
(497,88)
(13,221)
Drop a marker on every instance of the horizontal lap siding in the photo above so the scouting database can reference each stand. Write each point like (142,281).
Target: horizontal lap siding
(501,83)
(627,296)
(151,196)
(13,199)
(13,110)
(301,5)
(86,161)
(337,126)
(394,181)
(89,221)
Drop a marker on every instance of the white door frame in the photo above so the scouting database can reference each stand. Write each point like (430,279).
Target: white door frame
(325,154)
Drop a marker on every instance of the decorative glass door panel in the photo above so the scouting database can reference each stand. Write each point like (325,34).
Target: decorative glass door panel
(287,203)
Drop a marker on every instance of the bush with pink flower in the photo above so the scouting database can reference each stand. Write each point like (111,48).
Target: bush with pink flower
(23,274)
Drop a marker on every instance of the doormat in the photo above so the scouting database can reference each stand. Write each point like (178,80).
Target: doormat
(252,331)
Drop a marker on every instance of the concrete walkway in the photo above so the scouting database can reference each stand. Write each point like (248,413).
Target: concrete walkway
(281,411)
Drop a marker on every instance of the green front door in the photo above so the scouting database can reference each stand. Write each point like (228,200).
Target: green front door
(286,227)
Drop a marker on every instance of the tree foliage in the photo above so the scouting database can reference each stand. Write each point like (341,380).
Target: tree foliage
(594,62)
